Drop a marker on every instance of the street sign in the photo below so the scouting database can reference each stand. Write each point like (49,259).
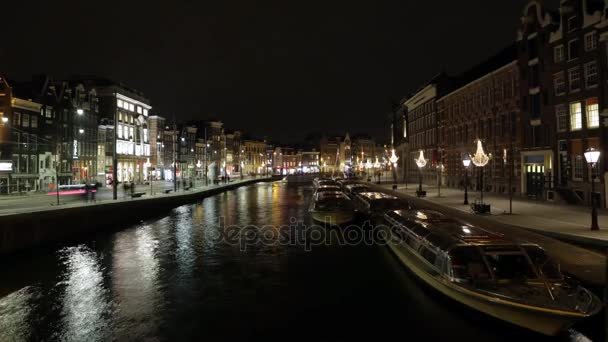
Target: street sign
(108,168)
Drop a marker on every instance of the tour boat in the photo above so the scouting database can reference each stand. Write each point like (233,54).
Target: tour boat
(328,188)
(317,182)
(514,282)
(355,188)
(332,208)
(373,203)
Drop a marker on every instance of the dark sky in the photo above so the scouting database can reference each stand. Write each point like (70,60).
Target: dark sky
(277,68)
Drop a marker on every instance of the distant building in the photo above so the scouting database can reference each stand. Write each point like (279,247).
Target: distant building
(126,110)
(422,127)
(157,145)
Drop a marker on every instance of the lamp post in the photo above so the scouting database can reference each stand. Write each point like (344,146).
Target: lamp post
(481,159)
(592,156)
(420,162)
(393,159)
(368,166)
(377,167)
(466,161)
(199,165)
(147,165)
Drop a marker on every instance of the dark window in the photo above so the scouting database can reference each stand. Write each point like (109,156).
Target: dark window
(428,254)
(467,263)
(533,48)
(535,103)
(573,49)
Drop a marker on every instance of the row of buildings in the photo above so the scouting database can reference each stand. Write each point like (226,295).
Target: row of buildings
(90,129)
(537,106)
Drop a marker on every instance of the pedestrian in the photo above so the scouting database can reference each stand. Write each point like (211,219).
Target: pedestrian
(86,192)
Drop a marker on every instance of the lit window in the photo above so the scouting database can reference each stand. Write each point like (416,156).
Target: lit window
(561,112)
(559,83)
(574,77)
(591,74)
(576,120)
(120,131)
(119,103)
(131,132)
(558,54)
(145,112)
(593,112)
(590,41)
(125,105)
(138,110)
(131,107)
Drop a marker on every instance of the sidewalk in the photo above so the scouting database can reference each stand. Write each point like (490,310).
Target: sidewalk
(549,225)
(568,222)
(39,202)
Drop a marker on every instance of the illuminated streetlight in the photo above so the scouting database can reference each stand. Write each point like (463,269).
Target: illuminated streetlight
(81,130)
(466,161)
(592,156)
(420,162)
(4,119)
(79,111)
(481,159)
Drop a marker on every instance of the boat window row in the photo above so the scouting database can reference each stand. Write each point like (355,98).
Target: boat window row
(471,262)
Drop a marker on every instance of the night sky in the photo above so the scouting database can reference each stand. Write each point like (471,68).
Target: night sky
(277,68)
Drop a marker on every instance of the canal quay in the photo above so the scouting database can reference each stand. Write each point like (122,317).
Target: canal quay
(178,277)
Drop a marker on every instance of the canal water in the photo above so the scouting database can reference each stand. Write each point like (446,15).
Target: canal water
(232,267)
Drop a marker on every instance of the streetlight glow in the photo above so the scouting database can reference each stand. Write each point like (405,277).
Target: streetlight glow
(79,111)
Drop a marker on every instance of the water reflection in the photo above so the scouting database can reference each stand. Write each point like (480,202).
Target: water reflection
(86,309)
(134,281)
(173,279)
(15,312)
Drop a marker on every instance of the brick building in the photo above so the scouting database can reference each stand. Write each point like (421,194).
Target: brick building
(485,106)
(563,99)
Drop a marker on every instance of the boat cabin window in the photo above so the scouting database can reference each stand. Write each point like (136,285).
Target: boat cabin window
(388,204)
(418,229)
(509,263)
(428,254)
(332,203)
(467,263)
(548,267)
(438,241)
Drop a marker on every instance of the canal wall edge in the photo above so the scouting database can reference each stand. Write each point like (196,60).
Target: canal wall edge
(21,231)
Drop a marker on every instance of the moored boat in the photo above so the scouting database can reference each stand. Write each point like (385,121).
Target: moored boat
(332,208)
(374,203)
(514,282)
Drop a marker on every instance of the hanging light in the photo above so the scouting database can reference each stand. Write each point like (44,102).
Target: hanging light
(421,162)
(480,158)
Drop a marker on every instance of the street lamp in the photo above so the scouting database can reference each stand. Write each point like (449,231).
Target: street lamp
(147,165)
(393,159)
(481,159)
(592,156)
(420,162)
(81,131)
(466,161)
(4,119)
(79,111)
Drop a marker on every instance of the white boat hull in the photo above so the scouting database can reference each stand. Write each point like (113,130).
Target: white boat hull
(543,320)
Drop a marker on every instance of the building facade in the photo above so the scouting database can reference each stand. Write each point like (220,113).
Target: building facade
(562,57)
(485,107)
(422,126)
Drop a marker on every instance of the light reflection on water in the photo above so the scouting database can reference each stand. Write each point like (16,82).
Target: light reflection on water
(86,310)
(172,279)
